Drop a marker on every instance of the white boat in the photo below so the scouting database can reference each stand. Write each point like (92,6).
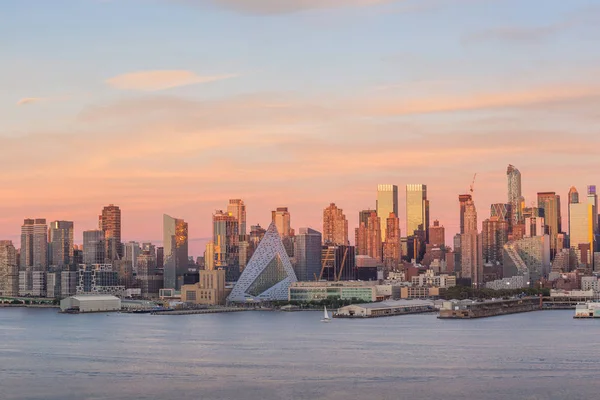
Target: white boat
(326,316)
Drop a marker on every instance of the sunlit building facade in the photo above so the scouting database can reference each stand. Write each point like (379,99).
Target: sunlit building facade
(175,245)
(237,208)
(282,219)
(9,270)
(462,201)
(335,226)
(374,243)
(387,202)
(392,247)
(226,243)
(61,243)
(550,203)
(494,234)
(417,209)
(110,223)
(514,193)
(471,244)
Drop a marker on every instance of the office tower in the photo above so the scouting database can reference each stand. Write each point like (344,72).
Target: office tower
(572,197)
(61,243)
(9,270)
(209,256)
(237,208)
(502,211)
(494,234)
(471,248)
(392,247)
(26,258)
(338,263)
(550,203)
(514,193)
(40,245)
(437,234)
(387,202)
(160,258)
(131,251)
(146,272)
(360,233)
(225,239)
(535,226)
(281,218)
(335,226)
(593,200)
(417,210)
(462,200)
(307,251)
(582,224)
(175,245)
(110,222)
(94,247)
(374,243)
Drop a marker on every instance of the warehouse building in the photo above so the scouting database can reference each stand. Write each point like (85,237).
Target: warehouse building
(90,303)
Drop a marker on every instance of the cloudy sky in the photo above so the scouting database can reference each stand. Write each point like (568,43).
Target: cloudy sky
(175,106)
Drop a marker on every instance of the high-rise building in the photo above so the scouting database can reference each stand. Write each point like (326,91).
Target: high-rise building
(417,209)
(392,247)
(307,253)
(374,243)
(471,248)
(209,256)
(502,211)
(131,251)
(582,221)
(175,244)
(360,233)
(387,202)
(61,243)
(494,234)
(40,245)
(110,223)
(437,234)
(226,242)
(573,197)
(462,200)
(281,218)
(335,226)
(550,203)
(338,263)
(26,257)
(94,247)
(237,208)
(9,270)
(514,193)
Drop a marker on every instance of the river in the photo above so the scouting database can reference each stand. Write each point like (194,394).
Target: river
(277,355)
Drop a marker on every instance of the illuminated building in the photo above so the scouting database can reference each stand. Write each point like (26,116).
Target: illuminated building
(307,251)
(175,245)
(471,248)
(392,248)
(361,236)
(282,219)
(462,200)
(550,203)
(583,220)
(387,202)
(110,223)
(374,244)
(237,208)
(417,209)
(93,247)
(437,234)
(61,243)
(226,242)
(494,235)
(335,226)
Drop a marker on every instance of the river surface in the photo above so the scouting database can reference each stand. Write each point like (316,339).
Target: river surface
(277,355)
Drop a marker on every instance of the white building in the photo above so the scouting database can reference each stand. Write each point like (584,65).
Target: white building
(91,303)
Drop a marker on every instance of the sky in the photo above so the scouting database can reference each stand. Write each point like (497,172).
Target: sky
(175,106)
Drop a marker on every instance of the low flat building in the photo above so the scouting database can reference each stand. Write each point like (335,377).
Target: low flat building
(419,292)
(316,291)
(91,303)
(385,308)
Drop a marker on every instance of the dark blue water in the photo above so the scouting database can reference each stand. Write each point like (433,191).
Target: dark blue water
(275,355)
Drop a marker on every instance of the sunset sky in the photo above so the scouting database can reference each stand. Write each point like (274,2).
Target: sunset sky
(175,106)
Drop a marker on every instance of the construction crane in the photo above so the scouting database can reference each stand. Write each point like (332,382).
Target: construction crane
(472,188)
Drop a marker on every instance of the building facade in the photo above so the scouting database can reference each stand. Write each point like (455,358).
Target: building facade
(110,223)
(417,210)
(175,245)
(307,254)
(335,226)
(387,202)
(61,243)
(237,208)
(513,177)
(9,270)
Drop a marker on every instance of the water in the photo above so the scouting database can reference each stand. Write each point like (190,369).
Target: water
(276,355)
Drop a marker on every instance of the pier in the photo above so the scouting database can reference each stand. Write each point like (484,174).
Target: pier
(470,310)
(200,311)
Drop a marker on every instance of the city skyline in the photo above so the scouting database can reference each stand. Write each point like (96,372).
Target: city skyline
(159,117)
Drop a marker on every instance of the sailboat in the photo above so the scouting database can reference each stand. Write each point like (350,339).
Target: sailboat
(326,316)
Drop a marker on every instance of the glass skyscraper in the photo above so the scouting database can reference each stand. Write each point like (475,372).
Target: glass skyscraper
(417,209)
(387,202)
(307,251)
(175,244)
(61,243)
(514,193)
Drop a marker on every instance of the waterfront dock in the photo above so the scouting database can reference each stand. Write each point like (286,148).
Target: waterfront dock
(385,309)
(587,310)
(200,311)
(468,309)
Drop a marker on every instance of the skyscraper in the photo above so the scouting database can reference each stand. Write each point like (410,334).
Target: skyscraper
(437,234)
(514,193)
(392,247)
(226,239)
(471,248)
(417,209)
(131,251)
(40,245)
(374,244)
(175,244)
(9,270)
(94,247)
(237,208)
(335,226)
(282,220)
(387,202)
(573,197)
(26,259)
(307,252)
(582,225)
(462,200)
(494,234)
(550,203)
(61,243)
(110,222)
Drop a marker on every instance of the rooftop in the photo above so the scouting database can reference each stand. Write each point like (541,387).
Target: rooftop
(394,303)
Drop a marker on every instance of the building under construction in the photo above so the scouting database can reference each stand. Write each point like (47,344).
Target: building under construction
(338,263)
